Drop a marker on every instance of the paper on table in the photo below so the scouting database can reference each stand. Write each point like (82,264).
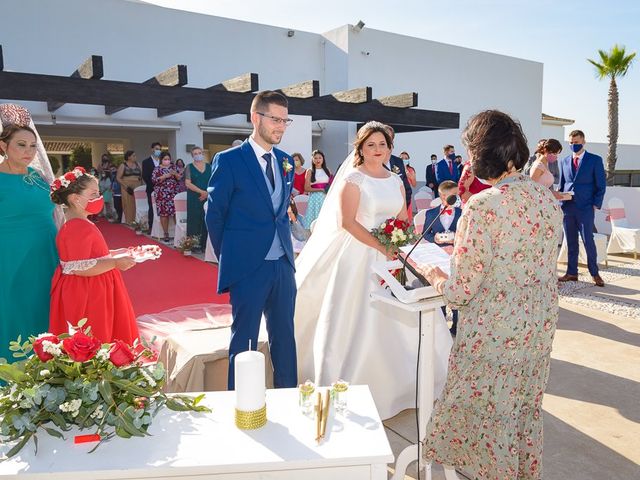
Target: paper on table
(427,253)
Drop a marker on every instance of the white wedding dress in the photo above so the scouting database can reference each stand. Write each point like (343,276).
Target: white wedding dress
(340,332)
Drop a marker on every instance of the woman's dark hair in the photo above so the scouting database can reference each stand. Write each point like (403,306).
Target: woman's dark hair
(324,165)
(128,154)
(9,131)
(164,154)
(364,133)
(61,196)
(181,161)
(496,143)
(548,146)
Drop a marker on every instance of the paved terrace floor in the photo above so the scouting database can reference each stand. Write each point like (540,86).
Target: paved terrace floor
(592,403)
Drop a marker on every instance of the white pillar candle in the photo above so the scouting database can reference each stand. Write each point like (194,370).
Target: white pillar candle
(249,381)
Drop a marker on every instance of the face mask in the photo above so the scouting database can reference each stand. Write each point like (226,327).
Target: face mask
(156,153)
(552,157)
(451,156)
(297,162)
(576,147)
(94,206)
(198,158)
(166,163)
(406,162)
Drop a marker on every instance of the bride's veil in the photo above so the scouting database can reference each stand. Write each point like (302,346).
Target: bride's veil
(327,229)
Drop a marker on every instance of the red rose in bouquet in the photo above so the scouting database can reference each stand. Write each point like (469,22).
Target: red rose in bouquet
(389,228)
(81,347)
(39,348)
(120,354)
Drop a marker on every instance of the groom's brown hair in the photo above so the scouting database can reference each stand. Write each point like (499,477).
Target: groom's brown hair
(268,97)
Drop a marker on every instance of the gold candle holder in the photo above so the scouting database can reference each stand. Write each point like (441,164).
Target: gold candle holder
(251,420)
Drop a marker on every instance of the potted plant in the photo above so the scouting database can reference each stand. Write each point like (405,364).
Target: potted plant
(188,243)
(139,226)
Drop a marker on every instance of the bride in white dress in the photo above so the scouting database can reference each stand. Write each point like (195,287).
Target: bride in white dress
(340,332)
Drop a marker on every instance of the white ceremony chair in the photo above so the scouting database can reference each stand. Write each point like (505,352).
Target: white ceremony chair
(436,202)
(301,201)
(209,255)
(624,239)
(142,205)
(418,221)
(156,230)
(180,202)
(422,199)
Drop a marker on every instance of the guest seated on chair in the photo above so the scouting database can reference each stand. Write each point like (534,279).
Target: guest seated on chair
(447,221)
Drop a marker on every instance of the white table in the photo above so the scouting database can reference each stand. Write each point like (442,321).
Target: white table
(186,445)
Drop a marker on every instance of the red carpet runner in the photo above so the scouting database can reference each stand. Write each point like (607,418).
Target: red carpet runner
(171,281)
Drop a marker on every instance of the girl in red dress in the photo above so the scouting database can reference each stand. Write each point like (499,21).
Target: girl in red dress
(87,283)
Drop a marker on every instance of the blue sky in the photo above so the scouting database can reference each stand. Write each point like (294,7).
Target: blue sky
(562,34)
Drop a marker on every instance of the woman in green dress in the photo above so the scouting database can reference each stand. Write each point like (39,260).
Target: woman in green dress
(28,254)
(196,179)
(488,421)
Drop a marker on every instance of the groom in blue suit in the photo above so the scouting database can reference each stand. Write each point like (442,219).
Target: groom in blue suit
(583,174)
(249,229)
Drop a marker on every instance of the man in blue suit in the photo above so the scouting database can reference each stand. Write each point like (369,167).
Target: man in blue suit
(447,169)
(583,174)
(249,229)
(430,175)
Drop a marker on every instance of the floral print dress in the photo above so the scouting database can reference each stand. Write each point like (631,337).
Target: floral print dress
(488,421)
(165,190)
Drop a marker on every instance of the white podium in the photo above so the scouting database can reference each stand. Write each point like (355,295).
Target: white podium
(425,310)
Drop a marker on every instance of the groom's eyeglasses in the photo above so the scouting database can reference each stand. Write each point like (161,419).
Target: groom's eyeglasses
(280,121)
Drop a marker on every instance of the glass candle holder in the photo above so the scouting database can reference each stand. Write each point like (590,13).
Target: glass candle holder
(305,397)
(339,392)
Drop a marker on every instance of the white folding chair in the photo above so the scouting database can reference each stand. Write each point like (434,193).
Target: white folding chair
(142,205)
(209,254)
(624,239)
(180,202)
(422,198)
(301,201)
(156,229)
(436,202)
(418,221)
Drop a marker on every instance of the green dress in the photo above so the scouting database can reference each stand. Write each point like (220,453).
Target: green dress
(195,211)
(28,257)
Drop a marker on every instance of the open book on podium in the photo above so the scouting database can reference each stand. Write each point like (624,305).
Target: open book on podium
(425,254)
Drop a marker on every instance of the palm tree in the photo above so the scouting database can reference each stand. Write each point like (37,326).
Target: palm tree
(613,64)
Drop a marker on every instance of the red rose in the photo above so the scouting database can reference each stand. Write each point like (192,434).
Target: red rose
(70,176)
(398,223)
(81,169)
(39,349)
(388,229)
(120,354)
(81,347)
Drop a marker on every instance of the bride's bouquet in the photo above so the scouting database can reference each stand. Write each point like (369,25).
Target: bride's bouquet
(394,233)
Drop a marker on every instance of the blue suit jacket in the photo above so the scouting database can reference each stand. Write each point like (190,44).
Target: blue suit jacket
(430,175)
(240,215)
(437,227)
(588,183)
(443,173)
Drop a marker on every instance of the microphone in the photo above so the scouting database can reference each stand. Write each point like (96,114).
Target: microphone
(449,202)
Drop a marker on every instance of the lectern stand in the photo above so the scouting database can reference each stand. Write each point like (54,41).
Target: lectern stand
(425,310)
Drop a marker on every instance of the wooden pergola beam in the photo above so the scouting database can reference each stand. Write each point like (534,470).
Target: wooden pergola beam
(175,76)
(306,89)
(38,87)
(91,69)
(403,100)
(356,95)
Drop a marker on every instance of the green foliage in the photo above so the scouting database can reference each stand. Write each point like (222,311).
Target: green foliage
(614,63)
(53,395)
(81,156)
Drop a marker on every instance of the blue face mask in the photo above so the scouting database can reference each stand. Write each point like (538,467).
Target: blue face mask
(451,156)
(199,157)
(576,147)
(156,153)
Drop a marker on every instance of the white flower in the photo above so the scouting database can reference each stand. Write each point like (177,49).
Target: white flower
(64,182)
(52,348)
(147,377)
(45,373)
(103,354)
(77,173)
(382,225)
(72,407)
(42,335)
(98,412)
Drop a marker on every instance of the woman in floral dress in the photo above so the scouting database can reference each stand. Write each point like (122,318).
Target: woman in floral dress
(166,185)
(488,421)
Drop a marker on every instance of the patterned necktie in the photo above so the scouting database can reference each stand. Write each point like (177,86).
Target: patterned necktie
(269,170)
(576,161)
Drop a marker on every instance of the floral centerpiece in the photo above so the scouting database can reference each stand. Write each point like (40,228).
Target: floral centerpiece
(188,243)
(65,380)
(394,233)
